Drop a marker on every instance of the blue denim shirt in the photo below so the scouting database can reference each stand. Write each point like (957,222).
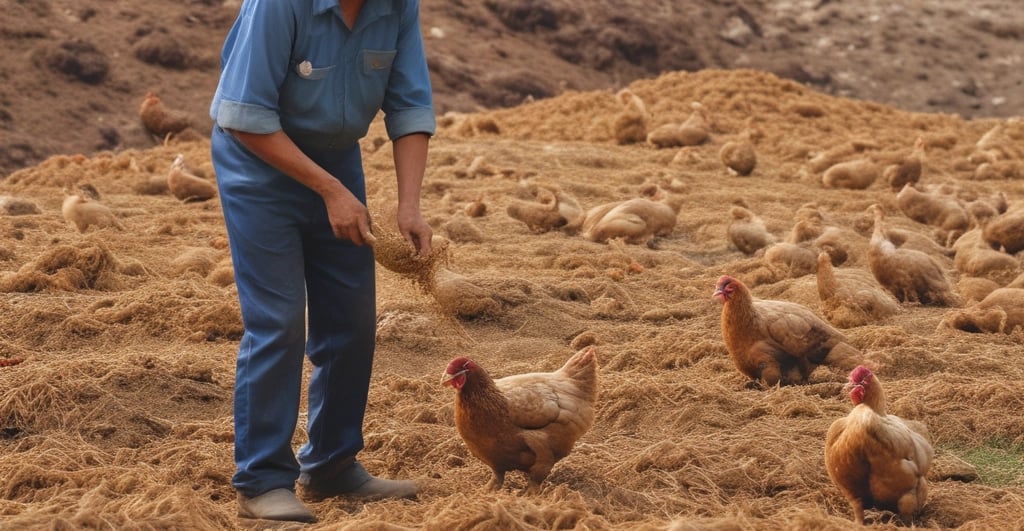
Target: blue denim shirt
(295,65)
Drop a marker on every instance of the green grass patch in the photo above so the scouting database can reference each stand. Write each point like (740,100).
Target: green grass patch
(999,463)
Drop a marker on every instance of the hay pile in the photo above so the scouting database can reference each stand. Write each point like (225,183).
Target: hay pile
(119,415)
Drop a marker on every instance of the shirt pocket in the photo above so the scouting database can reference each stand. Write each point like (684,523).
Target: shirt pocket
(376,71)
(378,63)
(307,89)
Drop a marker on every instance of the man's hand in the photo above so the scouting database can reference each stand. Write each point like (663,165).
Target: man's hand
(350,220)
(416,231)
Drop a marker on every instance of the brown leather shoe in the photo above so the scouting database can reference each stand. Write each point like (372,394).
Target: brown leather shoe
(277,504)
(349,478)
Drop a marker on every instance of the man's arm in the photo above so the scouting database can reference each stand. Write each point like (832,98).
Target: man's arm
(348,216)
(410,153)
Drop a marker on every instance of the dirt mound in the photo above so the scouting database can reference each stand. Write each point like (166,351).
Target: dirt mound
(75,73)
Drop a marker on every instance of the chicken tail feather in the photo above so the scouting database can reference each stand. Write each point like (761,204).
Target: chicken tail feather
(582,366)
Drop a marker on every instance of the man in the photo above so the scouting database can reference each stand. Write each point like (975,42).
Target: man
(301,80)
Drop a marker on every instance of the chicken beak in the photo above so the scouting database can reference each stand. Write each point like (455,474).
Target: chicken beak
(447,379)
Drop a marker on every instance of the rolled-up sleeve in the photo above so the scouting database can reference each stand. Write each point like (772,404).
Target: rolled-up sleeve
(255,61)
(408,103)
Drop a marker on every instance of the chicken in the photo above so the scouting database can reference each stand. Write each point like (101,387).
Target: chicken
(997,144)
(188,187)
(777,342)
(526,422)
(549,209)
(936,209)
(974,257)
(974,289)
(851,297)
(696,129)
(791,260)
(877,460)
(630,125)
(1000,312)
(82,212)
(983,209)
(843,245)
(738,155)
(909,274)
(747,231)
(461,297)
(1006,231)
(160,120)
(810,223)
(912,239)
(635,220)
(856,174)
(666,136)
(908,170)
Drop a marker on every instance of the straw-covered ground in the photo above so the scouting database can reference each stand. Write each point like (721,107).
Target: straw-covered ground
(117,344)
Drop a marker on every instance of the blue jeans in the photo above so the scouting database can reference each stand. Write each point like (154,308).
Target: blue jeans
(287,261)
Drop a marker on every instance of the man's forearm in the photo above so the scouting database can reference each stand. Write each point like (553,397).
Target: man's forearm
(410,153)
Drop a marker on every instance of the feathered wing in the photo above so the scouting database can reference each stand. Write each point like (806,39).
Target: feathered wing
(796,330)
(901,464)
(564,397)
(533,404)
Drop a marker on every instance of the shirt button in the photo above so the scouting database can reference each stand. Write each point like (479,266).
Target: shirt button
(375,64)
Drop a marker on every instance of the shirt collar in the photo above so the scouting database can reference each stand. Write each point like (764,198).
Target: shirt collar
(323,6)
(372,9)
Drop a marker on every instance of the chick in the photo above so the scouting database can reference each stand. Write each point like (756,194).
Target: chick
(187,187)
(160,120)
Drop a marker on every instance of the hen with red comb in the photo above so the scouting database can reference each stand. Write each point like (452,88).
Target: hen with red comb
(525,422)
(878,460)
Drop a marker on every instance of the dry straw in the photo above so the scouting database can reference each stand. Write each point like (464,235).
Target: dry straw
(119,415)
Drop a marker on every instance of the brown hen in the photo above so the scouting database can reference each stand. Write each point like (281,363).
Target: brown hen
(188,187)
(910,275)
(525,422)
(778,341)
(160,120)
(877,460)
